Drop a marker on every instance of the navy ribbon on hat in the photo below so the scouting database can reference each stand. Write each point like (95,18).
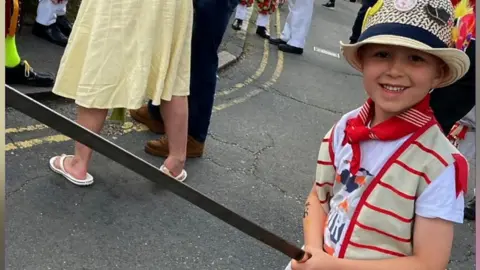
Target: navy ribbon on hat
(404,30)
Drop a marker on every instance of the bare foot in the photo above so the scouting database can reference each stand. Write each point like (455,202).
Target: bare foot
(174,165)
(69,166)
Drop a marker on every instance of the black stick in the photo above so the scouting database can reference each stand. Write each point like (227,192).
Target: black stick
(38,111)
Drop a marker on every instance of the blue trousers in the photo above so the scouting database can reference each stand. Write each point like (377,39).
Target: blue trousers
(357,25)
(211,18)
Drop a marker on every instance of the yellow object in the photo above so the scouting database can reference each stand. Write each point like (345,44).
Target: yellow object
(12,30)
(12,59)
(121,52)
(462,8)
(371,11)
(119,114)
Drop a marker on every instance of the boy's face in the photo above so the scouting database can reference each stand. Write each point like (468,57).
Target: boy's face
(397,78)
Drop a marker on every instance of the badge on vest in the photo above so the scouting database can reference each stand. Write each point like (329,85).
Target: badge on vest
(405,5)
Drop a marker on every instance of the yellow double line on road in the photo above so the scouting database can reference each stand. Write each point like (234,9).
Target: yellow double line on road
(254,77)
(126,128)
(276,74)
(131,126)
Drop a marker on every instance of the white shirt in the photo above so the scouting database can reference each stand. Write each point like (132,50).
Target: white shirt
(438,200)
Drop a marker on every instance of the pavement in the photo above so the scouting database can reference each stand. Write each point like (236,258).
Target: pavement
(271,111)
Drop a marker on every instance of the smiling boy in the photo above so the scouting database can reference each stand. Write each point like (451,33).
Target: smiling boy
(389,185)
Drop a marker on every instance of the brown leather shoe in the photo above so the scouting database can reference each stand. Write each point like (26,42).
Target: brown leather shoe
(159,147)
(143,116)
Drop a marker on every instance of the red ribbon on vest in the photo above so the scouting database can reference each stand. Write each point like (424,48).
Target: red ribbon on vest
(461,174)
(401,125)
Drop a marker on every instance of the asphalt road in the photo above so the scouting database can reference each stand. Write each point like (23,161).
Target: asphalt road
(271,111)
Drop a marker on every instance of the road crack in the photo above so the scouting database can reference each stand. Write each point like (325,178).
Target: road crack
(228,169)
(256,156)
(277,92)
(254,169)
(216,138)
(9,138)
(27,182)
(11,142)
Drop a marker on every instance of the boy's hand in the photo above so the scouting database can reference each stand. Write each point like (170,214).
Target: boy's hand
(319,260)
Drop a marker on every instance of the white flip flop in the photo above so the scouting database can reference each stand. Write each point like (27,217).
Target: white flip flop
(181,177)
(79,182)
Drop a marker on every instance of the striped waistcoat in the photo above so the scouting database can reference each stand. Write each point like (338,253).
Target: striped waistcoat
(382,225)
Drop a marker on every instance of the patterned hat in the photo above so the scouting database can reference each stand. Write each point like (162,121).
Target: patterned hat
(425,25)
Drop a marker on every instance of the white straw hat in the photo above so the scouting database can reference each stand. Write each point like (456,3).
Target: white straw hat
(425,25)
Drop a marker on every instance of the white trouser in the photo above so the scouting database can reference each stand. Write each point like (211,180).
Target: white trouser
(241,14)
(47,11)
(297,25)
(467,148)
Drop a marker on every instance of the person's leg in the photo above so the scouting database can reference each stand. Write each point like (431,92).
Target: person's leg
(287,27)
(12,11)
(357,25)
(263,20)
(241,14)
(264,8)
(16,70)
(45,26)
(175,117)
(302,15)
(93,120)
(210,22)
(12,59)
(241,11)
(262,23)
(301,22)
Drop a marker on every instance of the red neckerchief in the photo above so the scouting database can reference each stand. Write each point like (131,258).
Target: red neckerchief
(394,128)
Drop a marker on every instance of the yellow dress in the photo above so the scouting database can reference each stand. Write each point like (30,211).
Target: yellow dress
(123,51)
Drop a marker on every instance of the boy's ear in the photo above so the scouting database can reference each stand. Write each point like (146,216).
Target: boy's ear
(360,56)
(442,71)
(362,53)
